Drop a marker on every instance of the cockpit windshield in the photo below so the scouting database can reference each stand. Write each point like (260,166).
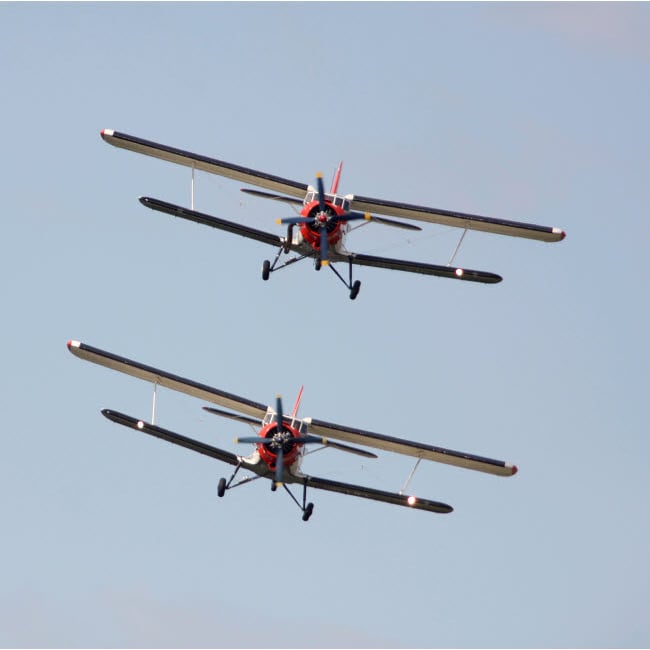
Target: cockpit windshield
(338,201)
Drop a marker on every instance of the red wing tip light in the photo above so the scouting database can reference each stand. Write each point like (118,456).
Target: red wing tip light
(106,132)
(73,344)
(514,469)
(559,231)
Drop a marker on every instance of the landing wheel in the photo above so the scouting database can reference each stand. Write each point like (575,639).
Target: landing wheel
(274,487)
(317,264)
(266,270)
(354,292)
(221,487)
(307,512)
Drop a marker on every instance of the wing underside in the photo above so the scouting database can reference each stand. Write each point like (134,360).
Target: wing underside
(213,222)
(452,272)
(410,448)
(211,165)
(458,219)
(166,379)
(378,495)
(175,438)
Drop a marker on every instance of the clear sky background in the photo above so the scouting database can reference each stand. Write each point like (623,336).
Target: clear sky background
(533,112)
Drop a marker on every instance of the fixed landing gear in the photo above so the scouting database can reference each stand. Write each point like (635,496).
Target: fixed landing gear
(354,291)
(221,487)
(266,270)
(307,511)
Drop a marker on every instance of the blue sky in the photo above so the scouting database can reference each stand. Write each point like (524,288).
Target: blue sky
(534,112)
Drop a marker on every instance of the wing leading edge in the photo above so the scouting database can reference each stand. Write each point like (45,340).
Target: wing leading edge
(166,379)
(458,219)
(410,448)
(211,165)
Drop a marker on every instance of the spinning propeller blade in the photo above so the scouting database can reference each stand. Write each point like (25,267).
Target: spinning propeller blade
(324,246)
(280,456)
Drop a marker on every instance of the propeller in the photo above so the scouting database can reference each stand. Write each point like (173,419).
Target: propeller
(324,219)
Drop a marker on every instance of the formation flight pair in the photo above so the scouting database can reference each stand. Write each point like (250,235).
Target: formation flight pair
(324,218)
(281,440)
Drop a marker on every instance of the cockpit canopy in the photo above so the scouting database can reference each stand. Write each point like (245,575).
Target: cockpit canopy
(342,202)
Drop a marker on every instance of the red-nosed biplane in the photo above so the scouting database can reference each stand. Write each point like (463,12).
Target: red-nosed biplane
(325,218)
(281,441)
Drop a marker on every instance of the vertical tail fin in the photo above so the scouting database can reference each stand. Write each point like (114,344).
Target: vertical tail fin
(296,406)
(337,178)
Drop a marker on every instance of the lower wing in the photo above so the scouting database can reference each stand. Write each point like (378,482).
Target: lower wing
(452,272)
(170,436)
(214,222)
(311,481)
(394,498)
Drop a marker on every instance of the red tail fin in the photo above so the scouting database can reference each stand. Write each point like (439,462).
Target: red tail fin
(337,178)
(296,406)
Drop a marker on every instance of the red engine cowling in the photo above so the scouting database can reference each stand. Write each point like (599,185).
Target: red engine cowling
(269,451)
(311,231)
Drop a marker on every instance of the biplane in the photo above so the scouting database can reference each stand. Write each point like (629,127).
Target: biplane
(325,218)
(282,439)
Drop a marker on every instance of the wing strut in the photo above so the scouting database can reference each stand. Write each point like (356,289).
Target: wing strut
(192,189)
(460,241)
(408,480)
(153,405)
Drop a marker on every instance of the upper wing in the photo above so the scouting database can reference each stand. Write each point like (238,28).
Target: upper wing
(204,163)
(378,495)
(166,379)
(214,222)
(416,449)
(420,267)
(170,436)
(458,219)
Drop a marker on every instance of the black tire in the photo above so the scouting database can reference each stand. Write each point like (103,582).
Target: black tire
(354,292)
(318,264)
(221,487)
(307,512)
(266,270)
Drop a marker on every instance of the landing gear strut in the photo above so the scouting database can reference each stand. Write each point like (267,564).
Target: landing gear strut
(268,268)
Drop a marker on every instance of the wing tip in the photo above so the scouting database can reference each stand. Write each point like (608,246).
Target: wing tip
(561,234)
(73,344)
